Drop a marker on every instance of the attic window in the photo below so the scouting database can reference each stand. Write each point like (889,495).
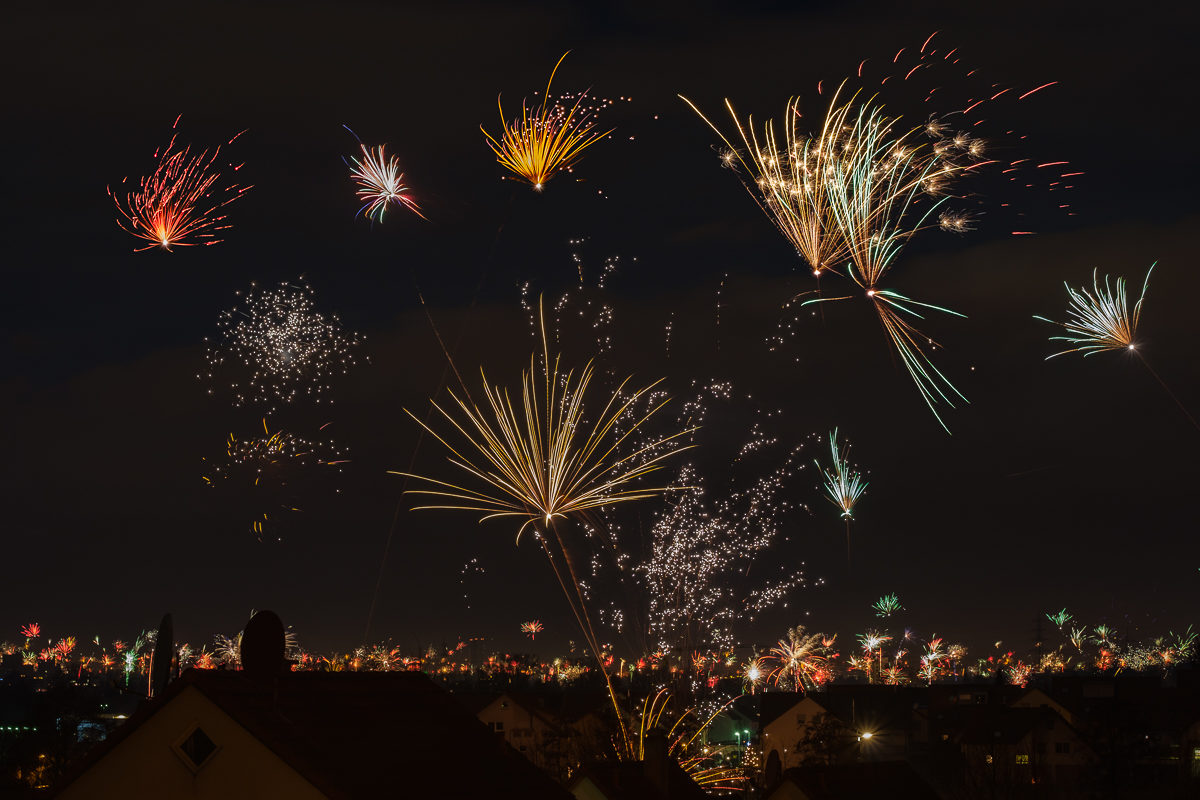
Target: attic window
(196,748)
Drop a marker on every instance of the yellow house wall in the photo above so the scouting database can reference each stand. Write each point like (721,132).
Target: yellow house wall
(586,790)
(146,765)
(783,733)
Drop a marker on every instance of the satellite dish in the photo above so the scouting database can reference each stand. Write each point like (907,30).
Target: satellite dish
(164,651)
(263,645)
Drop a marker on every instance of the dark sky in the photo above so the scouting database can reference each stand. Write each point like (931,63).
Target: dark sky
(1066,482)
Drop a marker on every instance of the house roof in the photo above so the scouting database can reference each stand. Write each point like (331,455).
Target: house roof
(1007,725)
(872,779)
(773,705)
(352,734)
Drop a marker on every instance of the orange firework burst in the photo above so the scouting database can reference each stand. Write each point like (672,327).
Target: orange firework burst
(177,203)
(545,140)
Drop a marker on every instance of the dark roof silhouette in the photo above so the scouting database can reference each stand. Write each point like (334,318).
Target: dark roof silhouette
(1007,725)
(627,780)
(890,779)
(361,734)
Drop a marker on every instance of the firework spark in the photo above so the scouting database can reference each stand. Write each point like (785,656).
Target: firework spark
(265,473)
(279,346)
(179,202)
(843,484)
(380,183)
(545,140)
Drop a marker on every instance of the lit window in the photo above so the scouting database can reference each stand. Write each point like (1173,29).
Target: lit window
(1023,758)
(988,758)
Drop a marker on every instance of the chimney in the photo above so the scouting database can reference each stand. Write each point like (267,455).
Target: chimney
(656,764)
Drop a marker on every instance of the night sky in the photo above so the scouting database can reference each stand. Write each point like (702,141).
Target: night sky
(1065,483)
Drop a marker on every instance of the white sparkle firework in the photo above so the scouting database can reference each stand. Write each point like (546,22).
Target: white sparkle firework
(279,347)
(380,183)
(705,571)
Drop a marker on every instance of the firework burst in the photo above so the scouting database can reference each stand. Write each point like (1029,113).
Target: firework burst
(875,198)
(852,193)
(801,659)
(279,346)
(532,629)
(1100,320)
(886,606)
(551,460)
(380,184)
(844,485)
(179,202)
(790,180)
(545,140)
(545,461)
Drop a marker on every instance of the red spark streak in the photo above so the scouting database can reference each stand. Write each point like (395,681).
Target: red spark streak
(1038,89)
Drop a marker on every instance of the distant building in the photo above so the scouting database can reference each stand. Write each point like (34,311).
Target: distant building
(555,731)
(1018,746)
(231,735)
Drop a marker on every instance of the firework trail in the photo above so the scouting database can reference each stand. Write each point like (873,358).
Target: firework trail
(380,182)
(711,768)
(843,484)
(280,346)
(178,203)
(1100,320)
(545,140)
